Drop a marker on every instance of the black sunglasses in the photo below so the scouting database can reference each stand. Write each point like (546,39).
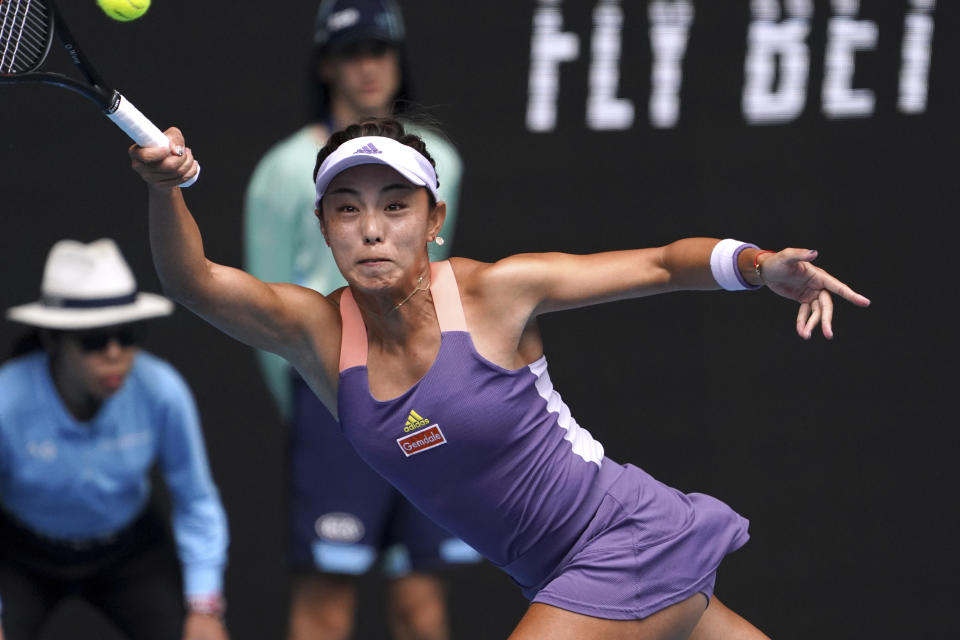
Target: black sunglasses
(126,335)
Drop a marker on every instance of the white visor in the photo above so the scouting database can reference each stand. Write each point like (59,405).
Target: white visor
(406,161)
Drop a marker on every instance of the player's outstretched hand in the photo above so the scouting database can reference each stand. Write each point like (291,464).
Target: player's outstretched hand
(165,167)
(790,274)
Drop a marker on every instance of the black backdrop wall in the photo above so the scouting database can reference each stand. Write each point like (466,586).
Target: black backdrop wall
(841,453)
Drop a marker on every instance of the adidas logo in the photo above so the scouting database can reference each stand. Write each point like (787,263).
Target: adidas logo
(367,148)
(414,420)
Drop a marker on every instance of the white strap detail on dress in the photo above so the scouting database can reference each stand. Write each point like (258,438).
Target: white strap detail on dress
(446,297)
(353,333)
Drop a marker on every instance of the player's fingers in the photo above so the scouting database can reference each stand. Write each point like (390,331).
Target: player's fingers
(826,315)
(190,166)
(149,155)
(169,171)
(176,176)
(175,147)
(812,321)
(173,168)
(844,291)
(802,314)
(176,138)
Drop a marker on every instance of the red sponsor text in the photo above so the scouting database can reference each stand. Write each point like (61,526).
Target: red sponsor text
(421,441)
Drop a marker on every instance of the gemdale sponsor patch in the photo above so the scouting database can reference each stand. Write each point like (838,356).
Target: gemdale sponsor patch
(421,440)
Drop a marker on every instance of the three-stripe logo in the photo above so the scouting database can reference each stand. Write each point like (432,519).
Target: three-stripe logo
(367,148)
(415,421)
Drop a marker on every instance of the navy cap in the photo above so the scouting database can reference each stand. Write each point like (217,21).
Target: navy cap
(342,22)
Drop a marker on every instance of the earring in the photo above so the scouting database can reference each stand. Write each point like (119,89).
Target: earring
(439,241)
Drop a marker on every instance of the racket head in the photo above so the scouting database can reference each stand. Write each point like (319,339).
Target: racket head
(26,35)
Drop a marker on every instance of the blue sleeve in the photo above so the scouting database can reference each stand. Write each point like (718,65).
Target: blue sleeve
(199,521)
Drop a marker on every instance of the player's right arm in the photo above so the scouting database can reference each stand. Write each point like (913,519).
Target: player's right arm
(265,316)
(273,207)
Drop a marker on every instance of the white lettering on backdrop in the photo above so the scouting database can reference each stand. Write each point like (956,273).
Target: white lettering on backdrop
(776,62)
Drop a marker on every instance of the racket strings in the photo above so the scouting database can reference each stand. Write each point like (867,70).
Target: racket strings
(25,33)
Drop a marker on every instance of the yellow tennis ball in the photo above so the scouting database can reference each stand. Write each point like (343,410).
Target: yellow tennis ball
(124,10)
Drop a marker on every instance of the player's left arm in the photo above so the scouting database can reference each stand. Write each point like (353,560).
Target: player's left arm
(548,282)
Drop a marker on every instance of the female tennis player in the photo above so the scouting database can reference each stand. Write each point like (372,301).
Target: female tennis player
(437,374)
(344,518)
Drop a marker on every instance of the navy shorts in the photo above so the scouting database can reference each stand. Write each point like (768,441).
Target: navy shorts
(344,516)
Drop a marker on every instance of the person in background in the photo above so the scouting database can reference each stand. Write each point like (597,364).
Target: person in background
(343,516)
(84,416)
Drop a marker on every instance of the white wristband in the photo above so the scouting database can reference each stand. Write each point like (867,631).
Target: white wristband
(723,264)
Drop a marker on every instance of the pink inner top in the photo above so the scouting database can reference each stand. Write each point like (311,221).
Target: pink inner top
(446,301)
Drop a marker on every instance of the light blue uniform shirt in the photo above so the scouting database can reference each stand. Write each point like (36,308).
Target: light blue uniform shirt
(74,480)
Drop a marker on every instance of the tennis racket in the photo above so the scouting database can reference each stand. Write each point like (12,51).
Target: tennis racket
(27,29)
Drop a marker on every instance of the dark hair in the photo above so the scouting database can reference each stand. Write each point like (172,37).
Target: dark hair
(383,127)
(318,91)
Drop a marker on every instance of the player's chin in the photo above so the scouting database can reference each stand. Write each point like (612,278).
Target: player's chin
(374,278)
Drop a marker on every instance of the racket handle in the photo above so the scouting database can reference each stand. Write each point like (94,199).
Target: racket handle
(140,129)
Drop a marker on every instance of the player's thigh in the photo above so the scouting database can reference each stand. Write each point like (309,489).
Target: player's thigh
(545,622)
(720,623)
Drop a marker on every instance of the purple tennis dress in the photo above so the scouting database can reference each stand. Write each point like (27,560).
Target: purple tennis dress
(495,457)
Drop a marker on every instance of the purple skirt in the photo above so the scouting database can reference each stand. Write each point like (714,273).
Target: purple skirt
(648,546)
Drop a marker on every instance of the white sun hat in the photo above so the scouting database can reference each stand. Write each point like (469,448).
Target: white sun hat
(86,286)
(405,160)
